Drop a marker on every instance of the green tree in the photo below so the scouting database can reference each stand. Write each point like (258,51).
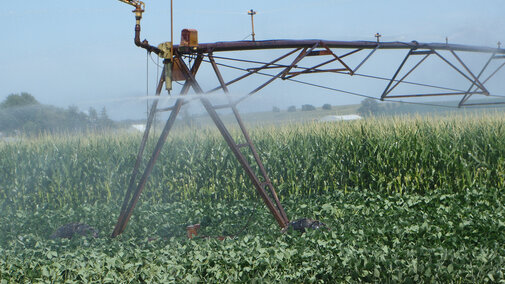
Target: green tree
(104,120)
(308,107)
(75,119)
(18,100)
(22,112)
(92,117)
(291,109)
(327,107)
(368,107)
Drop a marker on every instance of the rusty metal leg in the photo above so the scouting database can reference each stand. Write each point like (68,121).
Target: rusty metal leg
(122,216)
(281,220)
(194,70)
(125,217)
(243,161)
(263,171)
(143,143)
(260,165)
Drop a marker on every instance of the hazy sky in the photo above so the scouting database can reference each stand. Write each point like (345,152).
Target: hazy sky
(81,52)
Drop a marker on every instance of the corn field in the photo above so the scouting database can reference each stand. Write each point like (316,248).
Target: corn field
(411,155)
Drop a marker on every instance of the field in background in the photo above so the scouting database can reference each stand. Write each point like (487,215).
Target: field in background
(406,198)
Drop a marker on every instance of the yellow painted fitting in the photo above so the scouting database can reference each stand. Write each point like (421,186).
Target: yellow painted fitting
(166,50)
(138,13)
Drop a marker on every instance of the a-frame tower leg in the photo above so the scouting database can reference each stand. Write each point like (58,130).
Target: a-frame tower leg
(130,201)
(275,206)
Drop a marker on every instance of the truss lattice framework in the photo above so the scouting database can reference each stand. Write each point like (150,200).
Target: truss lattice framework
(310,48)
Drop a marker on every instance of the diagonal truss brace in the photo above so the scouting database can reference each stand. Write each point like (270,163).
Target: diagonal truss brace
(474,80)
(467,96)
(287,74)
(252,148)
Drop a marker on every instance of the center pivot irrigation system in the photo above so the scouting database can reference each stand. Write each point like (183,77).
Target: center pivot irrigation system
(332,56)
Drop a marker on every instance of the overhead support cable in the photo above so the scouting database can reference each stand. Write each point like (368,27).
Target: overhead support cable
(337,72)
(353,93)
(468,95)
(327,88)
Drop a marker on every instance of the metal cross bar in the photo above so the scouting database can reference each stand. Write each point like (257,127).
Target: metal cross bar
(475,79)
(255,71)
(315,70)
(467,96)
(281,220)
(366,58)
(250,61)
(139,156)
(457,69)
(121,225)
(494,73)
(338,58)
(300,56)
(256,156)
(408,73)
(243,161)
(432,95)
(309,69)
(251,145)
(170,108)
(350,53)
(283,73)
(421,52)
(340,71)
(194,70)
(396,74)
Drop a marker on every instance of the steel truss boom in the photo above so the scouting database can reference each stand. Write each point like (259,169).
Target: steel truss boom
(285,67)
(292,68)
(310,48)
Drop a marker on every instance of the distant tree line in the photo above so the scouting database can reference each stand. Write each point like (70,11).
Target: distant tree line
(306,107)
(22,113)
(371,107)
